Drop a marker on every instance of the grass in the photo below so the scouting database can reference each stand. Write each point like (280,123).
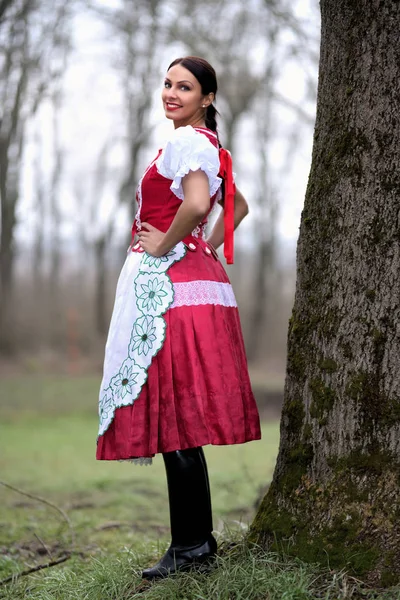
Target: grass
(119,513)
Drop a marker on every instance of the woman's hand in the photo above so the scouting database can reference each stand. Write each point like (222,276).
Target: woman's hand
(151,239)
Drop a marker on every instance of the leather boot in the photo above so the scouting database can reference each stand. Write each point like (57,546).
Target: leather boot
(190,514)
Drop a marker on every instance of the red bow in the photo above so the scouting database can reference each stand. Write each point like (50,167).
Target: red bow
(225,171)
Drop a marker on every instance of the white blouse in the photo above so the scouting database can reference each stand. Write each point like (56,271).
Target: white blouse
(189,150)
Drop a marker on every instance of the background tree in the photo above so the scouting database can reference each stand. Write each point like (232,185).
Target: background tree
(335,495)
(30,38)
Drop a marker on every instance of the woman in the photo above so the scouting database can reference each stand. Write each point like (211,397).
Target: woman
(175,372)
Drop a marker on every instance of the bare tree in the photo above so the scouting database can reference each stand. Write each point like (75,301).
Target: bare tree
(101,244)
(56,96)
(4,5)
(335,493)
(265,234)
(25,65)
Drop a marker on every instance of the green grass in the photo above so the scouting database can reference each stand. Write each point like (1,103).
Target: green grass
(119,513)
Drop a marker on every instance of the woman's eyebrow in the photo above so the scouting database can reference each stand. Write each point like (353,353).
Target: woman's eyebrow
(183,81)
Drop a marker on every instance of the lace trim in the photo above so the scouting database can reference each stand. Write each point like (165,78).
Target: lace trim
(214,182)
(199,231)
(143,461)
(139,197)
(199,293)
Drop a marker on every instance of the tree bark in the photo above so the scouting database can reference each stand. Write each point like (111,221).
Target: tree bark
(335,495)
(56,220)
(100,300)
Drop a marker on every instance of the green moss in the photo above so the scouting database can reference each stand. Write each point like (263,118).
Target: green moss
(270,521)
(296,464)
(328,325)
(361,462)
(328,365)
(337,545)
(357,385)
(377,412)
(388,577)
(297,363)
(294,411)
(307,432)
(298,347)
(323,399)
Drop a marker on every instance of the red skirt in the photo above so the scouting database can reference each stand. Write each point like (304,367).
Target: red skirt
(197,390)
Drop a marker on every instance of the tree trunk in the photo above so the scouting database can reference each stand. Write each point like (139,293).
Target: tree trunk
(335,495)
(6,255)
(100,300)
(54,292)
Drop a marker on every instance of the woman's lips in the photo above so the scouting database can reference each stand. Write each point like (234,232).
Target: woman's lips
(171,106)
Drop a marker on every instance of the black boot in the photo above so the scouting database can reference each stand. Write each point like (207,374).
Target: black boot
(190,513)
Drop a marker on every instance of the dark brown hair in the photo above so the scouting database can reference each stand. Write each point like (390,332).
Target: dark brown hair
(207,78)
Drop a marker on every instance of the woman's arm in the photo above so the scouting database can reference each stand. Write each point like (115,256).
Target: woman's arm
(216,237)
(194,207)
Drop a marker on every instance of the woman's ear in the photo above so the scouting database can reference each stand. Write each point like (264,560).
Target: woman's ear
(209,99)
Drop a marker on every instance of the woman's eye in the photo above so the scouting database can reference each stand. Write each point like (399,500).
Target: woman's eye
(184,88)
(167,84)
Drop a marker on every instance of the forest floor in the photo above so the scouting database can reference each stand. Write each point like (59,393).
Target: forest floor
(104,521)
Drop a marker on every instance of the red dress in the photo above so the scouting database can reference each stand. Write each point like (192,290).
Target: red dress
(175,370)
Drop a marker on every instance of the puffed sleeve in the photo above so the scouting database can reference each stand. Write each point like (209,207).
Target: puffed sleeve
(188,150)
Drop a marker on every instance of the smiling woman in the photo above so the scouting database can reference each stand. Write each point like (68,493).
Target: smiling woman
(175,372)
(183,97)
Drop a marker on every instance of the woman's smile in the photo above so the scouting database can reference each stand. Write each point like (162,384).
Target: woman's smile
(172,106)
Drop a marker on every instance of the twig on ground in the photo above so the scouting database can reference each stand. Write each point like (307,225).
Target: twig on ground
(53,563)
(44,545)
(112,525)
(44,501)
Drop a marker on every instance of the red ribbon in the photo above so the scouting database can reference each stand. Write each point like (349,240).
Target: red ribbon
(226,173)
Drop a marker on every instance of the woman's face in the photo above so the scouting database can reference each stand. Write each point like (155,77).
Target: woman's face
(183,99)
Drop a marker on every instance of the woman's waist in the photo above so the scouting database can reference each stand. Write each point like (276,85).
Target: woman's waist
(192,242)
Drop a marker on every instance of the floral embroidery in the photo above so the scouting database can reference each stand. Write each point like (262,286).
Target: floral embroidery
(156,261)
(153,294)
(123,382)
(106,405)
(148,297)
(143,336)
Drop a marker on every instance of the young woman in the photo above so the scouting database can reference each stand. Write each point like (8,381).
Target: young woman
(175,372)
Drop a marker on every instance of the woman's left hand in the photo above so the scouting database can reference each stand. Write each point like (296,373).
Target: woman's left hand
(150,239)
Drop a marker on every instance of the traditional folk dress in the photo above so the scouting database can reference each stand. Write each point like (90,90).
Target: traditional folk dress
(175,370)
